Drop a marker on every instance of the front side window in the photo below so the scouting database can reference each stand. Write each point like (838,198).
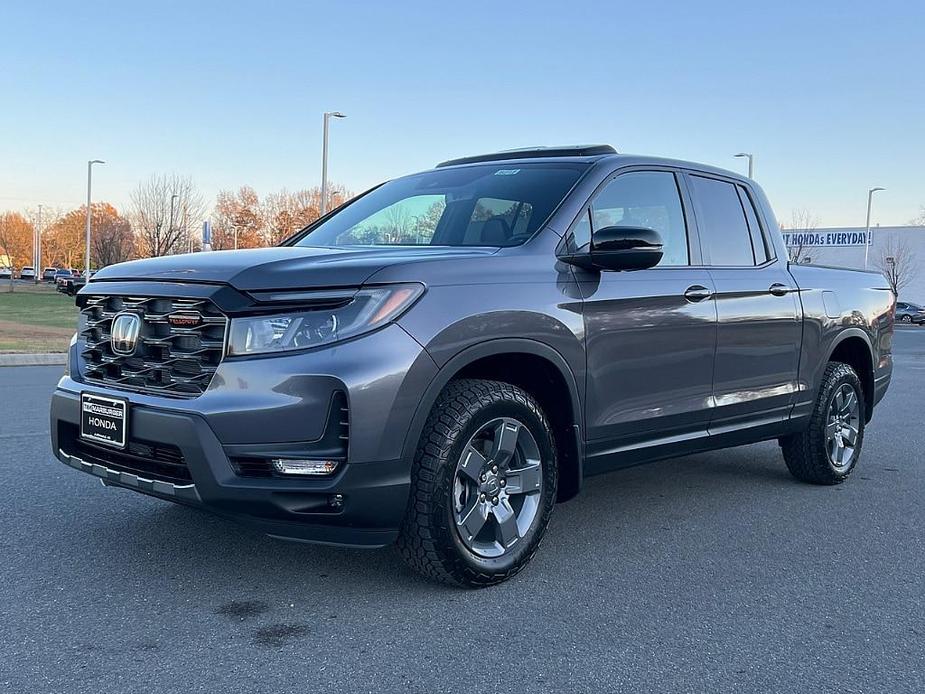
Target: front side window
(484,205)
(724,231)
(642,199)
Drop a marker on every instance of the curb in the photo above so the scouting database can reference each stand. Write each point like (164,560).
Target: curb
(33,359)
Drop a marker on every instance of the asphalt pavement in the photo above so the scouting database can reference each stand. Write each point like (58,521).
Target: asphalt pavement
(711,573)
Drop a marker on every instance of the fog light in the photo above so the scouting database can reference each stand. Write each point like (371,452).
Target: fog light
(290,466)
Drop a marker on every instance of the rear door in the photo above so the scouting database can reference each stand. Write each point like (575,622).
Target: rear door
(759,327)
(649,334)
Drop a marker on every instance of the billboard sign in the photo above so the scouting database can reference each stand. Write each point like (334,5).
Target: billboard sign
(832,239)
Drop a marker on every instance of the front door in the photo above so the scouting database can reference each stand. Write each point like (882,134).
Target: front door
(650,334)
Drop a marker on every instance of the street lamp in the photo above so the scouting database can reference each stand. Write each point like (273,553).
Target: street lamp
(324,159)
(870,196)
(751,162)
(37,247)
(89,184)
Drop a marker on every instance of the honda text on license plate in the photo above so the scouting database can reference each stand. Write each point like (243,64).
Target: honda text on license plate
(103,420)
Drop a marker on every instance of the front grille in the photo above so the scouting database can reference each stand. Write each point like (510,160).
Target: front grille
(178,359)
(154,461)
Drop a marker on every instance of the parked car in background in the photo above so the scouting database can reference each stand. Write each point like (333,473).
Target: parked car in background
(909,313)
(48,274)
(71,284)
(27,273)
(6,273)
(62,274)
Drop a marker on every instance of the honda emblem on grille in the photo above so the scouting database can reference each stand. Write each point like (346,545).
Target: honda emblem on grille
(125,329)
(190,319)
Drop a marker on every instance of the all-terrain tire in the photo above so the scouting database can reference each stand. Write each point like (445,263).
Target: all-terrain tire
(806,453)
(429,540)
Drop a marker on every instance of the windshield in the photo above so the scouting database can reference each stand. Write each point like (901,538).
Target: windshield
(491,205)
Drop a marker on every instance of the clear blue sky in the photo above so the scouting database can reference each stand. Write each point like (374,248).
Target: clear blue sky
(829,95)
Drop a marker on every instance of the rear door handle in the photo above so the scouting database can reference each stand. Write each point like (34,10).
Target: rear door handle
(697,293)
(778,289)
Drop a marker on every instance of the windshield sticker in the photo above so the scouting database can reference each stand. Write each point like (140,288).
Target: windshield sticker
(507,172)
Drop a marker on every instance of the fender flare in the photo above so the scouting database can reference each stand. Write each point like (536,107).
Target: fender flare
(487,349)
(844,335)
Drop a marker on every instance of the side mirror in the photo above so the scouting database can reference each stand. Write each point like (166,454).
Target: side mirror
(620,248)
(626,248)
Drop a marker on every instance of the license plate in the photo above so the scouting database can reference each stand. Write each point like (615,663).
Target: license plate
(103,420)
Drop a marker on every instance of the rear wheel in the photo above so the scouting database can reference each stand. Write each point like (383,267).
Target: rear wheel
(828,450)
(906,318)
(483,485)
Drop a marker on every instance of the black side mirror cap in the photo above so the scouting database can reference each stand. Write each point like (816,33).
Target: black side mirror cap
(620,248)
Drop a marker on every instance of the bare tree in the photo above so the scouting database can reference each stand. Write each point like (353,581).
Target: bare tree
(802,223)
(898,263)
(162,228)
(919,219)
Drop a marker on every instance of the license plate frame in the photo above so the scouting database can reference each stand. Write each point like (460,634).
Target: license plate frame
(95,411)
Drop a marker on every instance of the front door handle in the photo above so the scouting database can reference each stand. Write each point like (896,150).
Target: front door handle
(697,293)
(778,289)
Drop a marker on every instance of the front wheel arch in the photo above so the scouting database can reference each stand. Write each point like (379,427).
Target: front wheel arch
(570,443)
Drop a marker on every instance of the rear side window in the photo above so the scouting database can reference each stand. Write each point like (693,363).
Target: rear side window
(760,245)
(724,231)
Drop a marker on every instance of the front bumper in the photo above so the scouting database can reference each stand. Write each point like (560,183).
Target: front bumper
(274,407)
(373,495)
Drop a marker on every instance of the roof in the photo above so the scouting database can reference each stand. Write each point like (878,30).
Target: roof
(585,151)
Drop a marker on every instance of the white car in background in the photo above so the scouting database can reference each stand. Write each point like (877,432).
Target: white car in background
(5,273)
(27,273)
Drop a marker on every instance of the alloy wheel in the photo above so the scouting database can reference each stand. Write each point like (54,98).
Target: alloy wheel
(497,487)
(843,426)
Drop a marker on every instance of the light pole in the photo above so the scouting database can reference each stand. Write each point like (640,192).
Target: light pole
(89,188)
(37,254)
(751,162)
(870,197)
(324,159)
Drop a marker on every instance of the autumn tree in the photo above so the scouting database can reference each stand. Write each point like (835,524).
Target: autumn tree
(64,240)
(16,241)
(237,222)
(898,262)
(165,211)
(285,213)
(112,240)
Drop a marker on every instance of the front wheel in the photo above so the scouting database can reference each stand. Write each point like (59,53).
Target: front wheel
(483,485)
(828,450)
(906,318)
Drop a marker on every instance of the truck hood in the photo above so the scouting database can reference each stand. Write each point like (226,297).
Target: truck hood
(283,267)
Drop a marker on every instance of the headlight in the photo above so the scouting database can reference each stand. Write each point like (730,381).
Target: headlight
(370,308)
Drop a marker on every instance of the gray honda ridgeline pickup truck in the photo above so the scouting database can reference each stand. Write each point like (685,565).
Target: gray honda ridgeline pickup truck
(440,360)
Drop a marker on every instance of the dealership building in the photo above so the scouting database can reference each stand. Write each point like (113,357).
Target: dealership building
(844,247)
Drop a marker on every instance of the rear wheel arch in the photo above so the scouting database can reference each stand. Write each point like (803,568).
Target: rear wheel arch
(853,347)
(536,368)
